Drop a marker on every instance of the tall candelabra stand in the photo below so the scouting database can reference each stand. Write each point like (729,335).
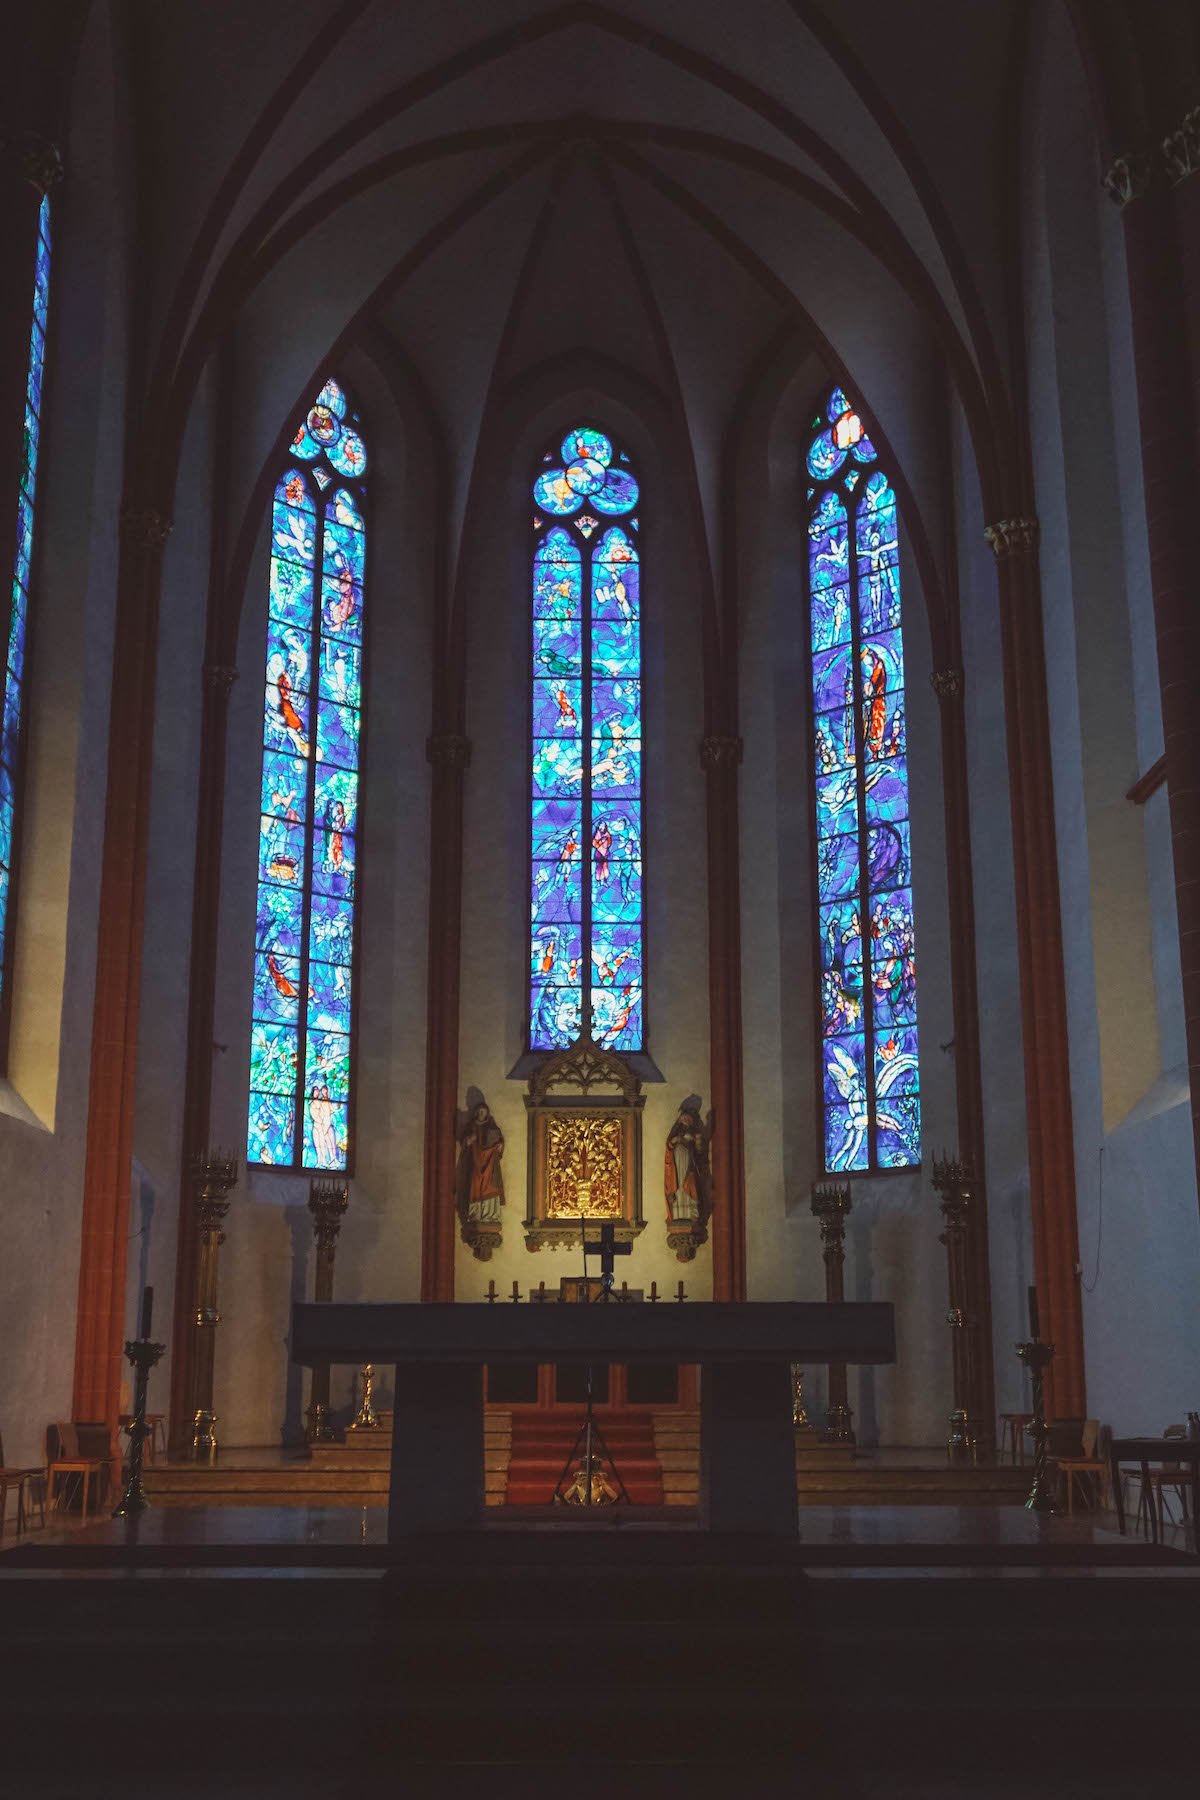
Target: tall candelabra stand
(143,1355)
(1037,1358)
(831,1206)
(799,1416)
(327,1202)
(953,1183)
(213,1175)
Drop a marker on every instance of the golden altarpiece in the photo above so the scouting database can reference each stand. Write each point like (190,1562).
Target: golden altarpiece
(584,1108)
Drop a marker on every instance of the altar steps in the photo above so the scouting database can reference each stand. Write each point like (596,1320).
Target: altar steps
(541,1442)
(357,1473)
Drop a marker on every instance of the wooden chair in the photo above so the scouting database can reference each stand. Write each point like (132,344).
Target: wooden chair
(1089,1469)
(1012,1435)
(69,1461)
(1177,1476)
(17,1478)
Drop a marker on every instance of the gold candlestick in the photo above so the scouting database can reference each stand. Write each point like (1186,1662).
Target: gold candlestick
(365,1419)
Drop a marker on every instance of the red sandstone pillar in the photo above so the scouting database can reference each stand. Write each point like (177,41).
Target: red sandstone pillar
(1040,955)
(721,757)
(1160,197)
(101,1316)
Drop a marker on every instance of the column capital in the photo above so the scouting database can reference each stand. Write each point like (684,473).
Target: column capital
(947,684)
(219,678)
(327,1202)
(830,1207)
(720,752)
(1012,537)
(144,527)
(447,750)
(37,159)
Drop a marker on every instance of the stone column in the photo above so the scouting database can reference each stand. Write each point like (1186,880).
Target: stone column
(948,684)
(327,1202)
(214,1175)
(1040,957)
(450,755)
(721,758)
(1159,195)
(954,1187)
(831,1207)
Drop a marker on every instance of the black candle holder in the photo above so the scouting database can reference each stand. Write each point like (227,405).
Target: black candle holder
(143,1355)
(1037,1358)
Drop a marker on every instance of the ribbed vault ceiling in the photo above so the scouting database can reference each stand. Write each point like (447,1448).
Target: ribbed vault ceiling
(668,187)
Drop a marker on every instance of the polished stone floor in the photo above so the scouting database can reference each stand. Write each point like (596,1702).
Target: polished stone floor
(834,1539)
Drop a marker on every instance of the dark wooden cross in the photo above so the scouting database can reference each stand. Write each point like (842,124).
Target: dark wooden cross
(608,1248)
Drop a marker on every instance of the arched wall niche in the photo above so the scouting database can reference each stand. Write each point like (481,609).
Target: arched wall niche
(268,1261)
(494,593)
(1135,1170)
(892,1239)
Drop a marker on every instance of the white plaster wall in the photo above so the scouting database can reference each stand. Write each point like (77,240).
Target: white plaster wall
(496,889)
(268,1258)
(1135,1175)
(892,1248)
(43,1106)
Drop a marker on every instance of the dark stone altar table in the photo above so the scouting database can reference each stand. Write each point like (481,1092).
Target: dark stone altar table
(744,1348)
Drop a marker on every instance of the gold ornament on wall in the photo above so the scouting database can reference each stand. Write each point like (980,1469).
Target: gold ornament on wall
(584,1168)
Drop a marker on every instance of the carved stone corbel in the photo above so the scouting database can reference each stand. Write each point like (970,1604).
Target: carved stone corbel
(448,750)
(720,752)
(1012,537)
(37,158)
(947,684)
(1181,148)
(144,527)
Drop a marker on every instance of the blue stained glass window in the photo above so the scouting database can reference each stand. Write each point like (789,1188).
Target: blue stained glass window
(871,1102)
(305,942)
(586,972)
(18,619)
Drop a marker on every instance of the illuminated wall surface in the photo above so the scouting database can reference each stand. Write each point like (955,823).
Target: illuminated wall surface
(870,1073)
(304,962)
(18,623)
(586,911)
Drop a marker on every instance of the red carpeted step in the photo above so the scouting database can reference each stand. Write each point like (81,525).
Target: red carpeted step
(540,1442)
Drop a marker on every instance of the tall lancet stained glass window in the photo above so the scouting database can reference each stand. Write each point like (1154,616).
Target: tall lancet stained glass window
(304,961)
(586,930)
(871,1103)
(18,618)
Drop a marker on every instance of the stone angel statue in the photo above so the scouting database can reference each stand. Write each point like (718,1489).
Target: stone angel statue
(479,1181)
(687,1179)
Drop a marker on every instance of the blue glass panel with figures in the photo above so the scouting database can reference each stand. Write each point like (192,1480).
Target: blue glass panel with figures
(871,1070)
(312,722)
(14,669)
(586,822)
